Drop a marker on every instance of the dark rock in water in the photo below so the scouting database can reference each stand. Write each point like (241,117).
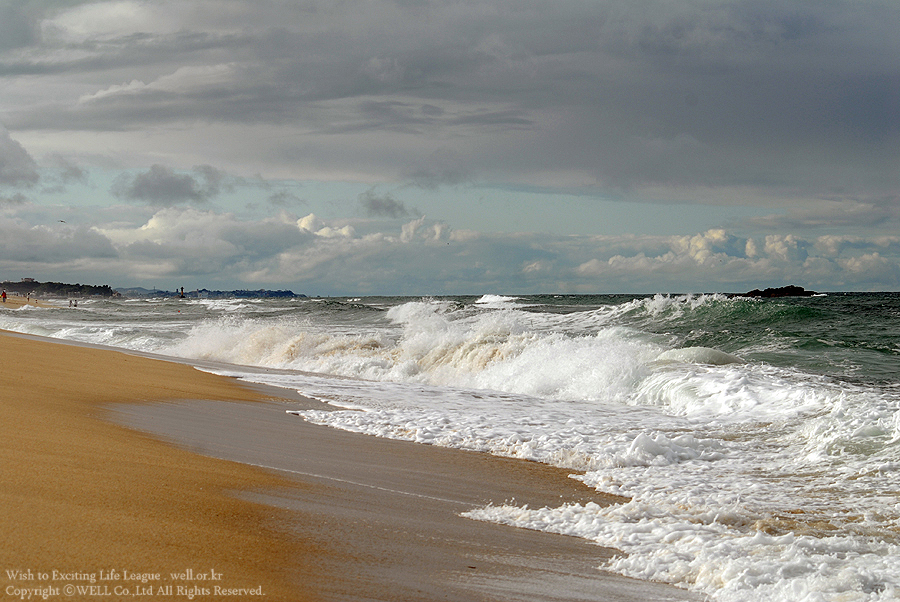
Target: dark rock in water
(784,291)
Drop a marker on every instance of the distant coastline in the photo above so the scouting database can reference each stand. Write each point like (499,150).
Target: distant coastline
(34,288)
(29,286)
(138,292)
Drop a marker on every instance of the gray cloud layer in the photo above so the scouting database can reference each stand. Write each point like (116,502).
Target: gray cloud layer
(759,93)
(791,108)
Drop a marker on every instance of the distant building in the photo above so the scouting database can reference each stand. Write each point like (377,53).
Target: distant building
(27,279)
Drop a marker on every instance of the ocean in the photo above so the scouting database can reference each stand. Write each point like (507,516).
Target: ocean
(758,440)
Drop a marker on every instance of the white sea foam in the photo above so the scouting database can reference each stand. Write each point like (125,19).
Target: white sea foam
(496,300)
(739,510)
(716,556)
(745,478)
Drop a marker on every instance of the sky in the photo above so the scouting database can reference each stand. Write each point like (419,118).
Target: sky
(429,147)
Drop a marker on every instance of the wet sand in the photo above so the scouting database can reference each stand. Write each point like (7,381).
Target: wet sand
(228,482)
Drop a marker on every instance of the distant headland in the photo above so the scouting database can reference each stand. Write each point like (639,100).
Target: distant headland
(30,286)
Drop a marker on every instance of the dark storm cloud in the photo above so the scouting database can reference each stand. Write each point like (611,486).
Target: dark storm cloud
(284,198)
(383,206)
(162,186)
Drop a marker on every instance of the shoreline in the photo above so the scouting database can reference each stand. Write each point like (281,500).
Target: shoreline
(15,301)
(211,474)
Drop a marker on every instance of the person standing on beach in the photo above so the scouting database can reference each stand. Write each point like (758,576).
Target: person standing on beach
(4,295)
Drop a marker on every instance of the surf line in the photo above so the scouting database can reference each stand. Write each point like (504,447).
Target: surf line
(357,483)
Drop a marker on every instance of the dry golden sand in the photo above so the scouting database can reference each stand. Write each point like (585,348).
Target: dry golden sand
(80,494)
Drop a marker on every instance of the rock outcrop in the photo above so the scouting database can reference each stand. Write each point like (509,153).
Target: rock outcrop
(784,291)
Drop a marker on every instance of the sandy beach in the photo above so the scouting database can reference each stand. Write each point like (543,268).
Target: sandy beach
(128,472)
(14,301)
(81,495)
